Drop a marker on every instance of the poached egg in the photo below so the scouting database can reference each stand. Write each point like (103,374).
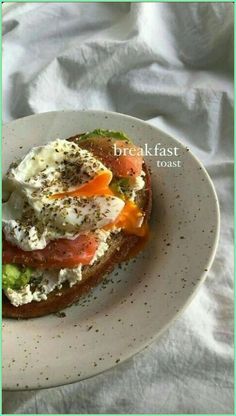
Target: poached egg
(57,191)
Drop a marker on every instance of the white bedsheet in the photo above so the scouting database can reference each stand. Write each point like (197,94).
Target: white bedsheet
(170,64)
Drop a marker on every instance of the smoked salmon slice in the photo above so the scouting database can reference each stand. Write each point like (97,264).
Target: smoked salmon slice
(61,253)
(121,157)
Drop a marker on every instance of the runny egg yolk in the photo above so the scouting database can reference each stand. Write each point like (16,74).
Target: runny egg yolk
(130,218)
(96,186)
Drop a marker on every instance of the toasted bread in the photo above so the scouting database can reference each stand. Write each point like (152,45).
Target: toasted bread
(121,247)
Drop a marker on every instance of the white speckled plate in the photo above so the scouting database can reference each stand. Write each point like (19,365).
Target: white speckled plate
(137,302)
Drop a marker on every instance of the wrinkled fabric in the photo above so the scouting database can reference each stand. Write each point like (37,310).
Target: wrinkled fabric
(170,64)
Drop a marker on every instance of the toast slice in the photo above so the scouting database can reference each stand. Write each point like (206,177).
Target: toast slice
(121,247)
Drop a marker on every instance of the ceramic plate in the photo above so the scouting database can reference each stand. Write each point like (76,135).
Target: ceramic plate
(138,301)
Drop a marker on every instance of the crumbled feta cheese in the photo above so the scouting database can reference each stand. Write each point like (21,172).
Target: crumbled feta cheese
(71,275)
(49,280)
(136,184)
(139,183)
(19,297)
(103,246)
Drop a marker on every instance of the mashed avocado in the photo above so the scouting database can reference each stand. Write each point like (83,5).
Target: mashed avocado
(105,133)
(121,187)
(15,277)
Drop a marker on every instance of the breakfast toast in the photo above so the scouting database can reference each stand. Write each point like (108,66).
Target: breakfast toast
(122,246)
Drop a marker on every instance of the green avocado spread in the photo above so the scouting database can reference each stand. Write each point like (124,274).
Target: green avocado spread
(105,133)
(120,186)
(15,277)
